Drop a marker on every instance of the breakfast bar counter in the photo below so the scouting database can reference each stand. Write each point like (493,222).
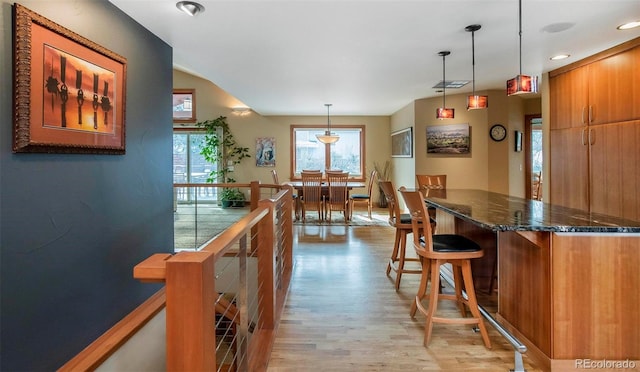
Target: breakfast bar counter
(568,280)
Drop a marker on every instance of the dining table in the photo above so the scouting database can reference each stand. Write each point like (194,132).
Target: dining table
(297,185)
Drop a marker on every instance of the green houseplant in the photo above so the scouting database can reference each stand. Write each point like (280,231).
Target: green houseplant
(220,148)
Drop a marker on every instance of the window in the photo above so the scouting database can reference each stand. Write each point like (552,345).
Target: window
(308,153)
(189,166)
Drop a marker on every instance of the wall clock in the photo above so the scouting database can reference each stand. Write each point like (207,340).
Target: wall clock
(498,132)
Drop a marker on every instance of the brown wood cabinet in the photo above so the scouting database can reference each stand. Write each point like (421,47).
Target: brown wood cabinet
(604,88)
(594,139)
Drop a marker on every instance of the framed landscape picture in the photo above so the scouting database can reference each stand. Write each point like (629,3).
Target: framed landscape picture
(69,92)
(402,143)
(448,139)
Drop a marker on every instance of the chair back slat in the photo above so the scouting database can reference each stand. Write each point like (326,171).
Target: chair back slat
(337,182)
(312,187)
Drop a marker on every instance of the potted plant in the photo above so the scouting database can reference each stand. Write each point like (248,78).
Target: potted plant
(232,197)
(220,148)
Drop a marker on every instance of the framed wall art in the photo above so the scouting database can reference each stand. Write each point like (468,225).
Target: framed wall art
(69,92)
(184,105)
(402,143)
(266,152)
(448,139)
(518,141)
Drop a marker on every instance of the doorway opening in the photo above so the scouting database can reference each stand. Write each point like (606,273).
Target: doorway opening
(533,158)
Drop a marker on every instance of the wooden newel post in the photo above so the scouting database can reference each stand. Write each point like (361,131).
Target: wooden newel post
(190,290)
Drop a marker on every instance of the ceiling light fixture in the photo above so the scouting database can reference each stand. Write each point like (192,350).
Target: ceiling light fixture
(327,137)
(241,110)
(190,7)
(629,25)
(559,57)
(474,101)
(522,83)
(444,112)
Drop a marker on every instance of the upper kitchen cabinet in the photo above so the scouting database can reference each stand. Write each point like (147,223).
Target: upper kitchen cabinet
(604,88)
(569,99)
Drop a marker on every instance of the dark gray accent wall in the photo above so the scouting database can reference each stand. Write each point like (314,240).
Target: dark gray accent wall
(72,227)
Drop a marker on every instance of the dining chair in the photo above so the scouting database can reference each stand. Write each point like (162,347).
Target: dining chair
(402,224)
(312,194)
(435,183)
(338,198)
(435,250)
(363,198)
(296,200)
(427,181)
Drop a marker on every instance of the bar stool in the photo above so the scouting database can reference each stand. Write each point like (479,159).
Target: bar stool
(435,251)
(402,223)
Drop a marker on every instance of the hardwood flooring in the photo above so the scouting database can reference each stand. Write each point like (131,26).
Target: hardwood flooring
(343,314)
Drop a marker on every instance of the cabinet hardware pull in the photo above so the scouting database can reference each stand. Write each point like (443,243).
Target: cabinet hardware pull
(592,137)
(590,114)
(582,136)
(583,110)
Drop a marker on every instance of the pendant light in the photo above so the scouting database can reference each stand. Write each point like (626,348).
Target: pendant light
(522,83)
(474,101)
(327,137)
(444,112)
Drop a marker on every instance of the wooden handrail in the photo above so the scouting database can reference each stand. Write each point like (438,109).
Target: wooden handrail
(103,347)
(189,294)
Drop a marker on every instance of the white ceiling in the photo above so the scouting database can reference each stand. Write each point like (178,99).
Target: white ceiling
(373,57)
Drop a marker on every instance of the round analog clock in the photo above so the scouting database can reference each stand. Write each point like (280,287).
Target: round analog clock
(498,132)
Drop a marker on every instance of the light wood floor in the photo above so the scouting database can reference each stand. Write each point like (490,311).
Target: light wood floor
(343,314)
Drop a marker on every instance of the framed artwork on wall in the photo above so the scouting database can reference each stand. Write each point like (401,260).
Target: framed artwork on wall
(184,105)
(448,139)
(69,92)
(265,152)
(402,143)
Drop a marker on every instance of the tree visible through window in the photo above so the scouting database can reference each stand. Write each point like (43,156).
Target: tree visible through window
(347,154)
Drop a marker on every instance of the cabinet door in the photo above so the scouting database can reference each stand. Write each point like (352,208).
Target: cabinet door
(569,168)
(568,99)
(614,88)
(615,169)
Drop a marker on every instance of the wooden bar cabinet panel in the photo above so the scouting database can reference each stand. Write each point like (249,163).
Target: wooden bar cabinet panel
(595,296)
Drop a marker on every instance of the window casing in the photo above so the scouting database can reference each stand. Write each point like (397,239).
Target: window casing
(347,154)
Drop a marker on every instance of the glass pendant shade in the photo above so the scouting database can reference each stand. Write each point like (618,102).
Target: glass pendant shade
(477,102)
(521,84)
(445,113)
(328,137)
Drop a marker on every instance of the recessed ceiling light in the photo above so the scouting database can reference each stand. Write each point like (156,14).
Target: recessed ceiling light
(559,56)
(629,25)
(190,7)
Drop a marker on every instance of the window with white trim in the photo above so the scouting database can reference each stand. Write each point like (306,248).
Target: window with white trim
(308,153)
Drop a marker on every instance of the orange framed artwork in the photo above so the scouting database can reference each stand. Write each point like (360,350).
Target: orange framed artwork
(69,92)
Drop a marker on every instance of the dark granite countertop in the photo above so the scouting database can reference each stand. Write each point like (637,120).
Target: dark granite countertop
(499,212)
